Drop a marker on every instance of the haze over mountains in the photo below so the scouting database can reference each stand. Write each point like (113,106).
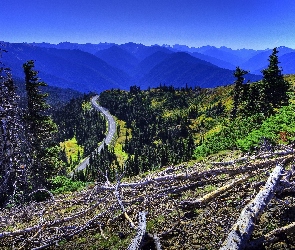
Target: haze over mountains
(97,67)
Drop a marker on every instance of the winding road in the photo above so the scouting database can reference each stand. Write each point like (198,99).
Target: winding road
(109,136)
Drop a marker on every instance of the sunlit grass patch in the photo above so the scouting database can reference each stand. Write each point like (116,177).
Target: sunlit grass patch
(72,149)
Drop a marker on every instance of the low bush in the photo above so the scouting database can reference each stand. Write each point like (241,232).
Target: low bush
(63,184)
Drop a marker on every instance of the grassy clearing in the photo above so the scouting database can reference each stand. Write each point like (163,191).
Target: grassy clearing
(72,149)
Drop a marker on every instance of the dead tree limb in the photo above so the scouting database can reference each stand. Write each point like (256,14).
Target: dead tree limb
(243,228)
(253,157)
(118,196)
(76,229)
(51,223)
(271,237)
(157,242)
(228,163)
(137,241)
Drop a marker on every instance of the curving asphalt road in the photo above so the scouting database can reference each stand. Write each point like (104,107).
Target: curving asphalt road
(109,136)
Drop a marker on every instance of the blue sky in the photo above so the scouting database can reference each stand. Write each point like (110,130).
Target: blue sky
(257,24)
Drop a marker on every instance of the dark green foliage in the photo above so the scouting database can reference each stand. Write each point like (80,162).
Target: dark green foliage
(252,104)
(278,128)
(103,164)
(267,95)
(63,184)
(29,153)
(275,86)
(239,90)
(56,98)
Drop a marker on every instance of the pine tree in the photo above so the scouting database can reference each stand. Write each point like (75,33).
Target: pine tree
(275,87)
(238,90)
(41,129)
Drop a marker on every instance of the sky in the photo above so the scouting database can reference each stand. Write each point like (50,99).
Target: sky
(237,24)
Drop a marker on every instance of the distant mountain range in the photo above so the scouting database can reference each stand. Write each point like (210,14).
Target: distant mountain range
(98,67)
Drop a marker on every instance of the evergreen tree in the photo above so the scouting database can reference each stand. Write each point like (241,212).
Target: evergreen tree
(40,129)
(274,86)
(238,90)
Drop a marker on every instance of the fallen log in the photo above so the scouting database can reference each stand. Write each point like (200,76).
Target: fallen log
(208,197)
(76,230)
(271,237)
(253,157)
(137,241)
(243,228)
(228,163)
(51,223)
(202,175)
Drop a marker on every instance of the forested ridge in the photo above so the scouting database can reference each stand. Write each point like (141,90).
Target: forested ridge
(189,168)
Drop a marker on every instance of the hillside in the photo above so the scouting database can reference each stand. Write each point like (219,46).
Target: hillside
(109,66)
(73,69)
(248,59)
(145,66)
(119,58)
(141,51)
(180,69)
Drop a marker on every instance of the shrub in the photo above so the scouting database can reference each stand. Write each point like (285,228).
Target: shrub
(278,128)
(63,184)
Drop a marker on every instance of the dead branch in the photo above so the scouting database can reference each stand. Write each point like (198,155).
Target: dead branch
(271,237)
(76,230)
(208,197)
(243,228)
(201,175)
(49,224)
(157,242)
(118,196)
(228,163)
(253,157)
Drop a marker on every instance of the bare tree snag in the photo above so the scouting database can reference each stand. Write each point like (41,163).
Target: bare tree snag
(137,241)
(271,237)
(208,197)
(243,228)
